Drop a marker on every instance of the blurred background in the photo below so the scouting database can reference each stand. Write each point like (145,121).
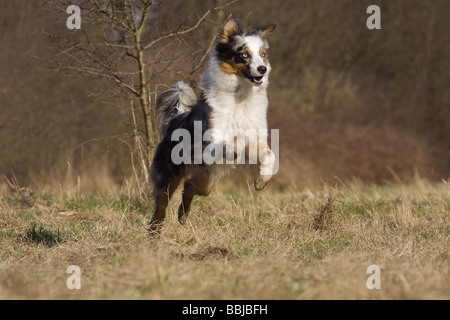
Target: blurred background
(351,104)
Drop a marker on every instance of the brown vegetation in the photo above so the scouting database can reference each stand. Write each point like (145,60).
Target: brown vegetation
(350,103)
(245,245)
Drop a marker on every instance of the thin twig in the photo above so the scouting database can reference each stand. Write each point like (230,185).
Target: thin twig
(188,30)
(200,63)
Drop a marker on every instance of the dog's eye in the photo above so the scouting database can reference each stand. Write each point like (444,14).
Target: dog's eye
(263,54)
(245,55)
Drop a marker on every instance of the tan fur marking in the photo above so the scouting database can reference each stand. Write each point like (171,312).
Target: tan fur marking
(264,31)
(262,145)
(230,29)
(197,185)
(162,200)
(231,67)
(211,122)
(234,68)
(247,50)
(228,68)
(266,57)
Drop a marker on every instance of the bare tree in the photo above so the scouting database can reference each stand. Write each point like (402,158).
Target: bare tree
(120,42)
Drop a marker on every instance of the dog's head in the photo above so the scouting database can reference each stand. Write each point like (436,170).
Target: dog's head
(244,53)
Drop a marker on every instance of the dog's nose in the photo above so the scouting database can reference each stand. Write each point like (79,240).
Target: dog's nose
(262,69)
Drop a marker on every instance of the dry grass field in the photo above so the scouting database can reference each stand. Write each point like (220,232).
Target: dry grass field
(361,113)
(310,244)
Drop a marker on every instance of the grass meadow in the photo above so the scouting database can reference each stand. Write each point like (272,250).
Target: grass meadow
(370,107)
(308,244)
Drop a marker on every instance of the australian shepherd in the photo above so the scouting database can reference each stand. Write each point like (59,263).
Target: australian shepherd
(233,101)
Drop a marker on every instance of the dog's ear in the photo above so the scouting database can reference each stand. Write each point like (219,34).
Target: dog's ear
(229,29)
(264,31)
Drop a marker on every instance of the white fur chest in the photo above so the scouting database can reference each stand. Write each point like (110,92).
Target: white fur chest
(236,104)
(239,112)
(234,115)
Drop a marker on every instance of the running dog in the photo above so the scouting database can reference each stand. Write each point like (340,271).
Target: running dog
(233,101)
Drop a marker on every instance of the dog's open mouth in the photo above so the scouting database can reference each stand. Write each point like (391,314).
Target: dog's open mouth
(257,80)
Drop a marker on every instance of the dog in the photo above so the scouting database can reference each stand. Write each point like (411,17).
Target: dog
(233,101)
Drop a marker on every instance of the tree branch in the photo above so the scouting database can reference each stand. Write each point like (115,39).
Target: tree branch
(186,31)
(148,4)
(200,63)
(113,17)
(101,73)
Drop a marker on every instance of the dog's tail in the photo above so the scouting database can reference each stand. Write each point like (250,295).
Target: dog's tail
(178,99)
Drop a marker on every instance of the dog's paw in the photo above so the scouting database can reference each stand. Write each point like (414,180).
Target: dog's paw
(182,216)
(261,182)
(154,229)
(265,170)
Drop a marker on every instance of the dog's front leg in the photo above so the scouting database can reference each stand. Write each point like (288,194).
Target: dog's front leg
(267,161)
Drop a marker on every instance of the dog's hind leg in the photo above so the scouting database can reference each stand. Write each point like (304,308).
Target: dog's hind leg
(196,186)
(163,191)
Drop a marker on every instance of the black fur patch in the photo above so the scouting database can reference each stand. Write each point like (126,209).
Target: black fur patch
(163,166)
(225,51)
